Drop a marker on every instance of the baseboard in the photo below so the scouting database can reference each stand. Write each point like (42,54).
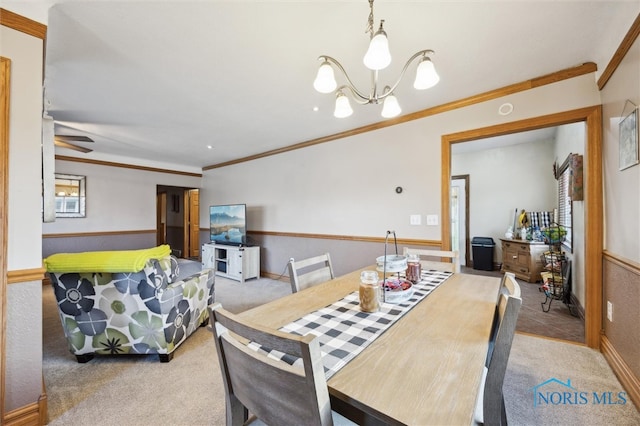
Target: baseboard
(629,381)
(576,304)
(497,266)
(34,414)
(272,276)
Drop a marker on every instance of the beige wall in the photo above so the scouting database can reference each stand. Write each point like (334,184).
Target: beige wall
(622,210)
(621,188)
(23,370)
(347,187)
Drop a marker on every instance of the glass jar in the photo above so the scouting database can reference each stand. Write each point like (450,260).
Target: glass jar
(369,291)
(414,268)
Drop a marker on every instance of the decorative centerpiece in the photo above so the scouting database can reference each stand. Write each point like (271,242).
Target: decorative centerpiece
(395,289)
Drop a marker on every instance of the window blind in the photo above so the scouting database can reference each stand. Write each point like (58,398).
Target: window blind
(564,218)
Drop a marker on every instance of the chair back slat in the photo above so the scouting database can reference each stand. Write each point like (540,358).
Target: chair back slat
(510,285)
(302,276)
(440,260)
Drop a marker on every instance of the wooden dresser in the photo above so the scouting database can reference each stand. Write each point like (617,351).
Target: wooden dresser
(523,258)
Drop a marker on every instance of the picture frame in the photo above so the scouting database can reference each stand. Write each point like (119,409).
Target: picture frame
(70,196)
(628,147)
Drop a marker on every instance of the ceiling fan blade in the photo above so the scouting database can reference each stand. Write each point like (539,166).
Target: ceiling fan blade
(63,144)
(72,138)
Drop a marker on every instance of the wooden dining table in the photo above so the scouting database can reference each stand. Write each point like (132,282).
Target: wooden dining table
(423,370)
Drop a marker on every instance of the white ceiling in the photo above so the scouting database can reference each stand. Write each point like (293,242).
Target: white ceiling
(160,80)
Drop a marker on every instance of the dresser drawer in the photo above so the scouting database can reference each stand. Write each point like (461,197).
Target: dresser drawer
(516,269)
(522,258)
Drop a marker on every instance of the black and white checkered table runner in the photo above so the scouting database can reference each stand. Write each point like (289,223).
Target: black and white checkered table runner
(345,331)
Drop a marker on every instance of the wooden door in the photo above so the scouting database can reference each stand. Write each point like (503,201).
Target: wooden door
(161,218)
(194,222)
(191,223)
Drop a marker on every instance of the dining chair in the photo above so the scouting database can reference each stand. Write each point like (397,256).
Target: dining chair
(509,287)
(273,391)
(490,408)
(452,265)
(309,272)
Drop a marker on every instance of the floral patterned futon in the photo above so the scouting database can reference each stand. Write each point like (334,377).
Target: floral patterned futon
(142,312)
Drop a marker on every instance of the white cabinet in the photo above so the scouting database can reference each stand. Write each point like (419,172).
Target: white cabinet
(237,263)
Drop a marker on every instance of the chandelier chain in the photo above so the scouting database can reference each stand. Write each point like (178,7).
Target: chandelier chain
(370,22)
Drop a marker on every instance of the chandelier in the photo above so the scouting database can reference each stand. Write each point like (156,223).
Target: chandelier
(376,58)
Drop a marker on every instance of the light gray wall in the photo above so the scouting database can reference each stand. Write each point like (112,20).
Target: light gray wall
(23,369)
(118,199)
(346,187)
(503,180)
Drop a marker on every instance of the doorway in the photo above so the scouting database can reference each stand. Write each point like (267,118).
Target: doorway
(178,220)
(191,234)
(593,217)
(460,218)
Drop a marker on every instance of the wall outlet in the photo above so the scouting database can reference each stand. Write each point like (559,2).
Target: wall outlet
(415,219)
(432,219)
(609,311)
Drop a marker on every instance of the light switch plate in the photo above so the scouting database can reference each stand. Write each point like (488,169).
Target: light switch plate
(432,219)
(609,311)
(415,219)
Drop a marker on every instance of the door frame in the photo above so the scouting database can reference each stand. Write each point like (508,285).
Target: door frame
(5,79)
(593,198)
(161,211)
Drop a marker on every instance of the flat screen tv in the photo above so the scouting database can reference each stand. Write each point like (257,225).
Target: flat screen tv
(228,224)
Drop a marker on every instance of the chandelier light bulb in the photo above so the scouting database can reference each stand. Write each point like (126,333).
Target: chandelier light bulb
(391,107)
(325,81)
(343,107)
(378,56)
(426,75)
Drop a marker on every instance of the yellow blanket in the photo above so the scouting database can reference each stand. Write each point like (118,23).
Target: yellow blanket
(105,261)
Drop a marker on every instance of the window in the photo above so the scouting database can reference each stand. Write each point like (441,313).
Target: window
(565,218)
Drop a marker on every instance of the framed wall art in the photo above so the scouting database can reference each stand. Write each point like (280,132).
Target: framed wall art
(629,140)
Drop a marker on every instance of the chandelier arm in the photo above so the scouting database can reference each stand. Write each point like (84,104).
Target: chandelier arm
(356,93)
(356,96)
(404,69)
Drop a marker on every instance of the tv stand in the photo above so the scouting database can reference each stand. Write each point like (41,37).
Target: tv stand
(239,263)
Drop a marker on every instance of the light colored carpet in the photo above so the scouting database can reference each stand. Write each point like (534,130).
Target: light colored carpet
(139,390)
(534,360)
